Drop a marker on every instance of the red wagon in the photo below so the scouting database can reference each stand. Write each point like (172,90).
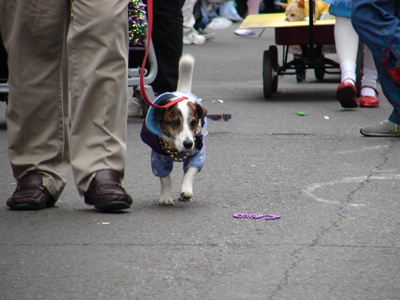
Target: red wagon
(311,37)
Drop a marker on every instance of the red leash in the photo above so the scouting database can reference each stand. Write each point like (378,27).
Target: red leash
(142,90)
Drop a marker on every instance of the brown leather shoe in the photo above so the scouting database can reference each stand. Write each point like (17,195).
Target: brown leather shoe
(30,194)
(106,192)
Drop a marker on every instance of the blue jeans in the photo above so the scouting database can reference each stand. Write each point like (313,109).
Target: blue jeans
(377,22)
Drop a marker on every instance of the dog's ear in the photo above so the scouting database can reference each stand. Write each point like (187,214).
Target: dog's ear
(201,111)
(160,112)
(301,4)
(284,5)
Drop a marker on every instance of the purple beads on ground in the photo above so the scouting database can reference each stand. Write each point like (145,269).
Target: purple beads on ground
(256,216)
(272,217)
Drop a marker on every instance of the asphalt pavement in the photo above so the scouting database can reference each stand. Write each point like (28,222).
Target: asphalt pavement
(337,193)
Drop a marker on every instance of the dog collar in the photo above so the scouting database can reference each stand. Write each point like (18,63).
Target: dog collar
(152,140)
(175,154)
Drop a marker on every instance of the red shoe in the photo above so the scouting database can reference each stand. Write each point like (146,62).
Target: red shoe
(369,101)
(346,93)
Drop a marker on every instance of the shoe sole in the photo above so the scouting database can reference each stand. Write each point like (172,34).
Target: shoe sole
(370,106)
(380,134)
(347,97)
(24,206)
(114,205)
(244,34)
(193,43)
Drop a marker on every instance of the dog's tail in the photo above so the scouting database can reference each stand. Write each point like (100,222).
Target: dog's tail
(186,65)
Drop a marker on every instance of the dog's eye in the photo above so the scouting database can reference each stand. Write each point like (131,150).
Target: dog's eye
(176,123)
(193,124)
(292,15)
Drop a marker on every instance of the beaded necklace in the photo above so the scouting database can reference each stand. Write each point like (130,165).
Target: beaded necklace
(256,216)
(172,152)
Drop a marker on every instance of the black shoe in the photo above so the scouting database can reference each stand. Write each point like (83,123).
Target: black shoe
(106,193)
(30,194)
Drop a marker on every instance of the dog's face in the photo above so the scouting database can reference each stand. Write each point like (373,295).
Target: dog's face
(294,10)
(180,123)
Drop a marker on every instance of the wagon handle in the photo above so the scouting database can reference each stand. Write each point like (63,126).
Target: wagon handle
(311,6)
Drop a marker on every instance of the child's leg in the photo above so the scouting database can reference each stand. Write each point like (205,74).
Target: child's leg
(346,41)
(369,74)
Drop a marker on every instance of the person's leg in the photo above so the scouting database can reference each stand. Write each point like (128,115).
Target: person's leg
(37,115)
(378,25)
(188,16)
(167,37)
(241,7)
(3,62)
(228,10)
(190,35)
(98,54)
(369,94)
(253,9)
(346,42)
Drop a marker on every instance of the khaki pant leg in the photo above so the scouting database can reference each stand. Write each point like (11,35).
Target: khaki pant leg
(98,54)
(34,33)
(188,16)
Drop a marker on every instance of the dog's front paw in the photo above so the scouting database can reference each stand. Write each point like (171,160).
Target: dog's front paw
(185,196)
(166,201)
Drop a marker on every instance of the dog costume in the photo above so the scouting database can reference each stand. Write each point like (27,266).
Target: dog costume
(161,162)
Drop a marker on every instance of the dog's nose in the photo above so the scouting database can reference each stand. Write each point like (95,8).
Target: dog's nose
(188,144)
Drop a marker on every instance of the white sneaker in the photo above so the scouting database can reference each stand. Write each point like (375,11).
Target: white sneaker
(228,10)
(385,128)
(207,35)
(193,38)
(246,32)
(134,107)
(218,23)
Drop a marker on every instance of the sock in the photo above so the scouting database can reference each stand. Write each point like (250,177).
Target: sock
(348,72)
(369,78)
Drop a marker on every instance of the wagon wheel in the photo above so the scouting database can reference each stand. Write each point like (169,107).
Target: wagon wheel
(319,73)
(267,74)
(275,83)
(300,74)
(275,66)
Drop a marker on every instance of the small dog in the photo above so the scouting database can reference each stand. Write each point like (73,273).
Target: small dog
(297,10)
(176,134)
(294,11)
